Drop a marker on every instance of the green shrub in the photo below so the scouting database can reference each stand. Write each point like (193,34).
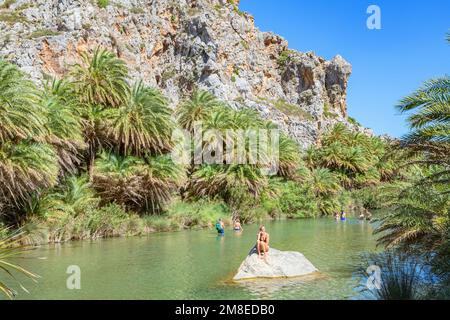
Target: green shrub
(199,214)
(327,113)
(43,33)
(245,44)
(168,74)
(353,121)
(102,3)
(159,223)
(402,276)
(137,10)
(297,201)
(288,108)
(112,220)
(283,58)
(7,3)
(12,18)
(329,205)
(108,221)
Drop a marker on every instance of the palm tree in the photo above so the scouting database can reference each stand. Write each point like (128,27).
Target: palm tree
(64,124)
(430,127)
(430,124)
(74,196)
(161,178)
(339,132)
(220,118)
(325,185)
(310,157)
(94,120)
(390,162)
(207,181)
(370,177)
(144,185)
(26,167)
(353,157)
(333,156)
(101,79)
(289,157)
(116,179)
(247,176)
(197,108)
(11,248)
(142,124)
(235,184)
(27,163)
(247,118)
(419,219)
(21,115)
(98,84)
(324,182)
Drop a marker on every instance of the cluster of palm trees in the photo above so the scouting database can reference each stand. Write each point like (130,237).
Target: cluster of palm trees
(235,183)
(94,135)
(357,159)
(343,163)
(94,131)
(418,220)
(93,122)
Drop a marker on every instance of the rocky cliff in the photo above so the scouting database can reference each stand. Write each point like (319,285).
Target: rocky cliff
(180,45)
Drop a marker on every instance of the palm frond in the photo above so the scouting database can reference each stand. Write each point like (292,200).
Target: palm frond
(101,79)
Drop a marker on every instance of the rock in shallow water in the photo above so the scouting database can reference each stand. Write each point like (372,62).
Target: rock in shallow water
(278,264)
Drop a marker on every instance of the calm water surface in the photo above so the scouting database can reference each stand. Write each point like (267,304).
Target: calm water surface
(199,265)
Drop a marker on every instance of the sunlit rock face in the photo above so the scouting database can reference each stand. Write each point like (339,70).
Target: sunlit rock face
(277,264)
(179,46)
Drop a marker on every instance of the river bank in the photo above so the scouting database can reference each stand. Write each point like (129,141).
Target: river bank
(113,222)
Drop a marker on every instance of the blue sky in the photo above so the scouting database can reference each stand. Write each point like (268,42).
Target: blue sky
(387,64)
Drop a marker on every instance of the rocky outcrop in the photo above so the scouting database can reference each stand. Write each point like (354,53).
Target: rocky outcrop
(277,264)
(180,45)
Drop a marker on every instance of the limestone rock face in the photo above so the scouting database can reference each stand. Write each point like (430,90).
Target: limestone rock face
(278,264)
(181,45)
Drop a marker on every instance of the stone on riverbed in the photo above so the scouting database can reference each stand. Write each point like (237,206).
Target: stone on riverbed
(277,264)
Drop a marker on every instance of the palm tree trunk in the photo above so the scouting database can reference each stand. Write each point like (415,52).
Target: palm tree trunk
(90,166)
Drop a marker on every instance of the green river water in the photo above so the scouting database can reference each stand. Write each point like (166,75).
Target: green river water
(199,265)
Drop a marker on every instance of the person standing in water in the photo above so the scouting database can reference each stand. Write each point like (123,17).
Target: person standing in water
(262,242)
(237,226)
(220,227)
(343,218)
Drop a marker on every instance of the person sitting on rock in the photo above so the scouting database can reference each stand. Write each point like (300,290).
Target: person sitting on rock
(262,242)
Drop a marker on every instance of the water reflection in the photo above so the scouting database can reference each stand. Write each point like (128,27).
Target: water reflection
(271,288)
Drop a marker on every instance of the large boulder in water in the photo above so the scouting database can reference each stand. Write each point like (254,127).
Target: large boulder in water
(277,264)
